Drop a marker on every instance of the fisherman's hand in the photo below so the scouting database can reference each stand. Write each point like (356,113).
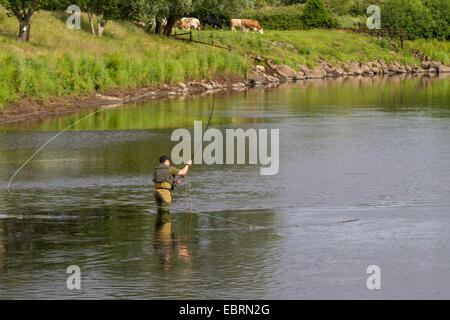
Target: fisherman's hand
(189,163)
(178,181)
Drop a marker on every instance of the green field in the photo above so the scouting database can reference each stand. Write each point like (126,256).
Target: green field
(62,62)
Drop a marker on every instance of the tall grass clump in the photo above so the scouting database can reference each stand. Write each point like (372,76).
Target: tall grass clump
(437,50)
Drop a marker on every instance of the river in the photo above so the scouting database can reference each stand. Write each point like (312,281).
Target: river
(364,179)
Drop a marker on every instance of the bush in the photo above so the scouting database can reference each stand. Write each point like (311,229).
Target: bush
(278,18)
(411,15)
(359,7)
(339,7)
(347,21)
(289,2)
(317,16)
(280,22)
(440,11)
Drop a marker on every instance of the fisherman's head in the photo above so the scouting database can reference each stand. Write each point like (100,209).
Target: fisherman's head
(164,160)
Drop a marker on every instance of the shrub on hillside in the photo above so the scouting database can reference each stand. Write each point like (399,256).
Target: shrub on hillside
(339,7)
(281,22)
(278,18)
(411,15)
(289,2)
(316,15)
(347,21)
(440,11)
(359,7)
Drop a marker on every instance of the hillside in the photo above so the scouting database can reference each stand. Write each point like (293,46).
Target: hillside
(59,62)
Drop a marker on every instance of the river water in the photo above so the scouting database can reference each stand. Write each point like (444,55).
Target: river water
(363,180)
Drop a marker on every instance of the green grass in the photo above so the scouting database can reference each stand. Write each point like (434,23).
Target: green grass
(332,45)
(61,62)
(438,50)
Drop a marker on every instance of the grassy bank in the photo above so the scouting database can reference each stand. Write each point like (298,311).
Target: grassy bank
(61,62)
(58,61)
(307,46)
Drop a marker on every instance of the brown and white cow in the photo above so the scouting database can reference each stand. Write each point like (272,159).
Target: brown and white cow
(236,23)
(248,24)
(140,24)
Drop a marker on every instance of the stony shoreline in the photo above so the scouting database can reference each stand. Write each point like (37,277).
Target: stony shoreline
(267,71)
(264,73)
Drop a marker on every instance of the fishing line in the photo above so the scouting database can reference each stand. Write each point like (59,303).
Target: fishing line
(39,150)
(123,202)
(188,182)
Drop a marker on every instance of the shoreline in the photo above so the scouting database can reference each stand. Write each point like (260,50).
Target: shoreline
(263,74)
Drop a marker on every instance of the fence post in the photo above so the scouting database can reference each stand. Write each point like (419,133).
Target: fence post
(190,35)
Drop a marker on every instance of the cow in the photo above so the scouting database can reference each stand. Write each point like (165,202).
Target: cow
(177,25)
(187,23)
(140,24)
(214,22)
(153,23)
(249,24)
(236,23)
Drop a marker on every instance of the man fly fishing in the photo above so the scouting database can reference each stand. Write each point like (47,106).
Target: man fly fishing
(165,179)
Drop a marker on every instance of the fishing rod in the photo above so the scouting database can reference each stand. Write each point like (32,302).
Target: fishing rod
(42,147)
(122,202)
(188,183)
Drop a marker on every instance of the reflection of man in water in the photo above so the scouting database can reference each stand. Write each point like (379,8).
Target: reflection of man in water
(164,238)
(166,244)
(165,179)
(2,247)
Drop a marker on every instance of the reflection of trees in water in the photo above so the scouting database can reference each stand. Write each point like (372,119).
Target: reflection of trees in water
(163,114)
(391,93)
(181,112)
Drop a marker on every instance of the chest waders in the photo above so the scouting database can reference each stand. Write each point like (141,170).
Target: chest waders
(163,195)
(161,174)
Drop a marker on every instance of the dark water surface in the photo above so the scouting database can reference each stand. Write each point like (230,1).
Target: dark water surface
(364,180)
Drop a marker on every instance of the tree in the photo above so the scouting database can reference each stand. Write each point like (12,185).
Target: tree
(148,11)
(170,10)
(291,2)
(224,9)
(23,10)
(410,15)
(316,15)
(176,10)
(100,12)
(440,11)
